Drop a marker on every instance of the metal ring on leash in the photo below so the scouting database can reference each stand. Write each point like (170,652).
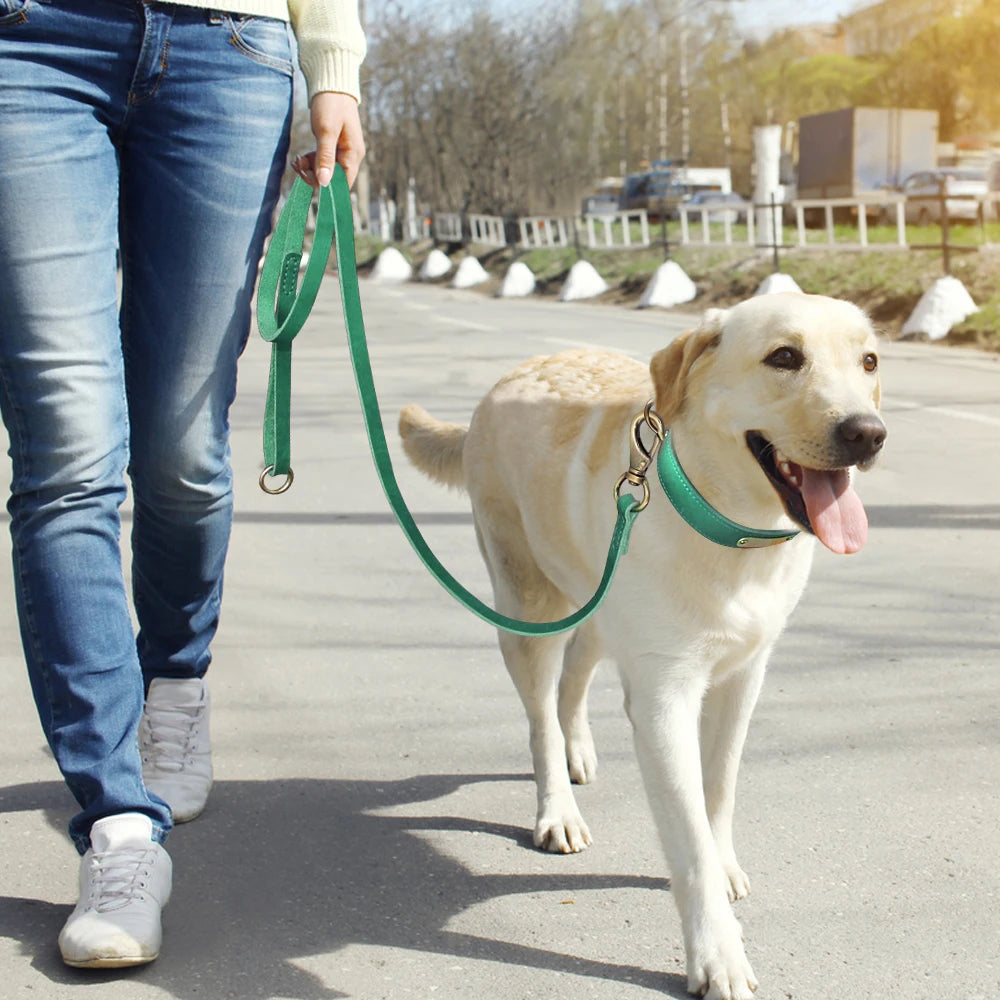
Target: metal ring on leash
(289,479)
(640,483)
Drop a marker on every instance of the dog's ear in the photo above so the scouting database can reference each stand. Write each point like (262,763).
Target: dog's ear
(671,366)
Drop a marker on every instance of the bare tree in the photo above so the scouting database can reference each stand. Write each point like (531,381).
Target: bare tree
(489,112)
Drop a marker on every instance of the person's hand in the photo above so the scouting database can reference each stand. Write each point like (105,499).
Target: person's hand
(336,125)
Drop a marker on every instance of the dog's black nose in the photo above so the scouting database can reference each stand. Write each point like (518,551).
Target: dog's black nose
(861,436)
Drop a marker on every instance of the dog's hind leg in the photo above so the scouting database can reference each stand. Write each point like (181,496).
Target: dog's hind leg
(580,660)
(521,590)
(533,664)
(725,718)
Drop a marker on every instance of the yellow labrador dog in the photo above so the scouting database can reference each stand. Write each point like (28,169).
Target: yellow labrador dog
(769,404)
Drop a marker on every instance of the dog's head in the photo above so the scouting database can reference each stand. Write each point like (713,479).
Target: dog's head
(791,383)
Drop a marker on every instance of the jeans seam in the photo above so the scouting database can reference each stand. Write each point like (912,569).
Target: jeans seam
(237,41)
(30,618)
(16,17)
(41,665)
(133,99)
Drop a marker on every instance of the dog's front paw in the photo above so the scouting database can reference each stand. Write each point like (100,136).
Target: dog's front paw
(718,968)
(561,830)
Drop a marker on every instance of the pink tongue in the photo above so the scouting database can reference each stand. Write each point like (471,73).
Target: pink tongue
(835,511)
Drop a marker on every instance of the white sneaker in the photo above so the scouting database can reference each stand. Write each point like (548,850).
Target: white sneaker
(174,744)
(125,881)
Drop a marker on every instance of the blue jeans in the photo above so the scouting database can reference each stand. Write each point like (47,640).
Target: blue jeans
(162,131)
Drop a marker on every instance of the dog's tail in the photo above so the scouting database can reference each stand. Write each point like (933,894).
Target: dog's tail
(433,446)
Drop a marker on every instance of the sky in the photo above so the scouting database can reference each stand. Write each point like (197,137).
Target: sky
(761,15)
(757,16)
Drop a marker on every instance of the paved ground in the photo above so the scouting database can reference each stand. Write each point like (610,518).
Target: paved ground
(369,836)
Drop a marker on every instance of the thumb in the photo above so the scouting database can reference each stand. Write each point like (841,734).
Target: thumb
(326,159)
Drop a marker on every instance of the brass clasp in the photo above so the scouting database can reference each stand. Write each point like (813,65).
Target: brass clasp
(641,457)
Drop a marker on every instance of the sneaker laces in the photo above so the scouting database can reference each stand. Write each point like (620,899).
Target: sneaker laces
(118,877)
(170,735)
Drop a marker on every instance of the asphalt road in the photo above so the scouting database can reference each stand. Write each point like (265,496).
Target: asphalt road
(369,832)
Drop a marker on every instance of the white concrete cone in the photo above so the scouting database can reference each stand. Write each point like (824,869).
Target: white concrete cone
(391,266)
(470,272)
(518,281)
(669,286)
(437,265)
(582,282)
(775,283)
(943,305)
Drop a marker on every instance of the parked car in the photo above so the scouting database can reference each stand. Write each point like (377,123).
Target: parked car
(658,192)
(963,187)
(602,203)
(718,203)
(605,200)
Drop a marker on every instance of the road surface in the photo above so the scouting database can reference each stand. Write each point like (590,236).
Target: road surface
(369,832)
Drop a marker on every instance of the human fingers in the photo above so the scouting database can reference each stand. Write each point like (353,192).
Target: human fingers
(336,124)
(305,166)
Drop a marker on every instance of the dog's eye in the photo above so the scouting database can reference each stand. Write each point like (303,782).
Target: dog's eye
(787,358)
(870,361)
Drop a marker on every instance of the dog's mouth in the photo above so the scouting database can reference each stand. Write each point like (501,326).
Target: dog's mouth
(822,501)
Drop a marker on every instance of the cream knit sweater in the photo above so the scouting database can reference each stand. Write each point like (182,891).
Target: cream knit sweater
(329,34)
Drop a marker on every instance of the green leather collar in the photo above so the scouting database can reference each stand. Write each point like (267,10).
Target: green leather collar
(701,515)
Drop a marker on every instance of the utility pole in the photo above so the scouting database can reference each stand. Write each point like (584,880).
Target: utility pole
(727,135)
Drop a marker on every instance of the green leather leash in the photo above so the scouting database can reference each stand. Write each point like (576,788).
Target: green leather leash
(282,309)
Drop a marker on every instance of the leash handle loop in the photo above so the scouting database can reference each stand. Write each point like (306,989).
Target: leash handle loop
(282,308)
(335,202)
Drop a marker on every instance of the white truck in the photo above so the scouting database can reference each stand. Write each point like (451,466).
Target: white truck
(854,152)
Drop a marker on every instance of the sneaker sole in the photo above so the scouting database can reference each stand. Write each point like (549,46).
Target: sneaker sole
(121,962)
(187,817)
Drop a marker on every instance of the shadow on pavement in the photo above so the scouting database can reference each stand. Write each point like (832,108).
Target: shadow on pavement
(951,516)
(275,871)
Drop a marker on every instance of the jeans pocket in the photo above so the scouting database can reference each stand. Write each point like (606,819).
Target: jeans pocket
(13,12)
(263,39)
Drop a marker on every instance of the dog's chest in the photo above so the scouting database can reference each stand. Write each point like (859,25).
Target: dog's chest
(750,613)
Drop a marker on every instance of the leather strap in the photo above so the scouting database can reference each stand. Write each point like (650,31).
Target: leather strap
(701,515)
(282,308)
(281,312)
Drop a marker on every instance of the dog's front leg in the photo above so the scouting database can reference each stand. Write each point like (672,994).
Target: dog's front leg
(665,718)
(725,718)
